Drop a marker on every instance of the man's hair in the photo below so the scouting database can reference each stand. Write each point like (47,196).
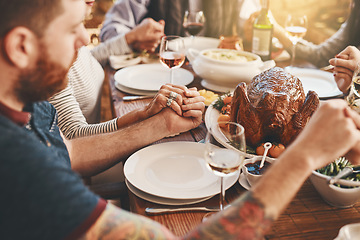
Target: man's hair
(32,14)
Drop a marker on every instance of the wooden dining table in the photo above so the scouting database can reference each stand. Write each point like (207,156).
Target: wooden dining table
(308,216)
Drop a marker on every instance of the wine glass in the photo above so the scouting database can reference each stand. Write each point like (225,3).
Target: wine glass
(172,53)
(296,27)
(193,23)
(224,152)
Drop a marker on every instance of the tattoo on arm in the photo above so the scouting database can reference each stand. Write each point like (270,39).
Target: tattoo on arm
(116,223)
(246,219)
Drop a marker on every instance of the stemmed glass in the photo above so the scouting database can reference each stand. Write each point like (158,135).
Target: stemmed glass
(296,27)
(193,23)
(172,53)
(224,152)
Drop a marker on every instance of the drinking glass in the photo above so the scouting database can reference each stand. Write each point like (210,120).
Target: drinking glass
(224,152)
(172,53)
(296,27)
(193,23)
(353,99)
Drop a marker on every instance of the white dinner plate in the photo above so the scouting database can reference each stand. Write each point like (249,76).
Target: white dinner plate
(201,43)
(174,170)
(161,200)
(215,87)
(150,77)
(322,82)
(134,91)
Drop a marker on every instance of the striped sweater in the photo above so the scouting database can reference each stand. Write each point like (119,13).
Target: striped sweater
(78,105)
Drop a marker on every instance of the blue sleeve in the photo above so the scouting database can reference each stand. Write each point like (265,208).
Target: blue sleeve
(122,17)
(41,198)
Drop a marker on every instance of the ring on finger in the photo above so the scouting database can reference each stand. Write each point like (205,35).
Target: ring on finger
(169,101)
(173,95)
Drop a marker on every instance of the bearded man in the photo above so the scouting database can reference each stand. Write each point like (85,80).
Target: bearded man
(43,198)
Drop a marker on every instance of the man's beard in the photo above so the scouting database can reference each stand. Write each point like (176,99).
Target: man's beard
(42,81)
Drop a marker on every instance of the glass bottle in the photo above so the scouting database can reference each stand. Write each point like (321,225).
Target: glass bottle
(262,33)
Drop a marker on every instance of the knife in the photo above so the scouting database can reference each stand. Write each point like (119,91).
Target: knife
(131,98)
(166,210)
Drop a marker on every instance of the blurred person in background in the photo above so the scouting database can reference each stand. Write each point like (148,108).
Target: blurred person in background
(221,16)
(319,55)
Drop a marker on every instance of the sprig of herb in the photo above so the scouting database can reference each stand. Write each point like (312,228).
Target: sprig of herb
(219,104)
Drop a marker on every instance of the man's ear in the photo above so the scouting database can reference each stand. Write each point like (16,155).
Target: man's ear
(20,46)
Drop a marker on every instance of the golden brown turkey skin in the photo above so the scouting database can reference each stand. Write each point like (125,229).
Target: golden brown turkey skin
(272,107)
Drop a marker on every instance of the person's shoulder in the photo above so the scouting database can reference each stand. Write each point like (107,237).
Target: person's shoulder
(17,142)
(44,108)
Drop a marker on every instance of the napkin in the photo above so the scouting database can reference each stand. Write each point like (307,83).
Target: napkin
(121,61)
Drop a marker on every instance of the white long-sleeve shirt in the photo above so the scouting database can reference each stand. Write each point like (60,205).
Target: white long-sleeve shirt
(78,105)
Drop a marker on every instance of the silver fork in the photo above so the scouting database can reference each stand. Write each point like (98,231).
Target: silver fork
(343,173)
(178,209)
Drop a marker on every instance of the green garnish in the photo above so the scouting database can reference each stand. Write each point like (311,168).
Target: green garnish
(332,169)
(219,104)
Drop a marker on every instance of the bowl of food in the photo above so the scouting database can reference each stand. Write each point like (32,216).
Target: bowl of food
(251,168)
(345,193)
(226,67)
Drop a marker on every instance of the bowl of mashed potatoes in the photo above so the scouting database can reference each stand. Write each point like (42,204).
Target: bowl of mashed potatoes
(224,69)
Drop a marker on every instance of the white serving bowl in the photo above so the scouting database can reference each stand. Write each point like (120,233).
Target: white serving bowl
(253,178)
(333,195)
(349,232)
(225,72)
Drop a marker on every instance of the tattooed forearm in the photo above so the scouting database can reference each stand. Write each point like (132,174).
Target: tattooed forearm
(246,219)
(115,223)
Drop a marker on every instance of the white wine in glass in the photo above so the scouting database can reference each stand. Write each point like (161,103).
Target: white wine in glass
(296,27)
(224,152)
(172,53)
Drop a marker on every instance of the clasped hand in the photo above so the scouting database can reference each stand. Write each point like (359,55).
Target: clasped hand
(185,111)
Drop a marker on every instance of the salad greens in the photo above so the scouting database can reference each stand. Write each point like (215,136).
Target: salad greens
(335,167)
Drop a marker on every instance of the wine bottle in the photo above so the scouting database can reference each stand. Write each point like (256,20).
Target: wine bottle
(262,33)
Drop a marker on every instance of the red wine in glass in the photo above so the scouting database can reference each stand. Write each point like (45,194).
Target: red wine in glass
(193,28)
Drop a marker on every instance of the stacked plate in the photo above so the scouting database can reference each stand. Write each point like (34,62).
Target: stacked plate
(146,79)
(173,173)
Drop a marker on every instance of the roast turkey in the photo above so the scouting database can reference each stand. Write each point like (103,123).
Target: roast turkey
(272,107)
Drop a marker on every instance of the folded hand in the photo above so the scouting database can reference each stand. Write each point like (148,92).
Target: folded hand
(345,63)
(147,35)
(332,132)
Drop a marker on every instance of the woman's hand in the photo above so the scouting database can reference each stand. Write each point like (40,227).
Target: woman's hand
(192,108)
(180,100)
(345,63)
(183,102)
